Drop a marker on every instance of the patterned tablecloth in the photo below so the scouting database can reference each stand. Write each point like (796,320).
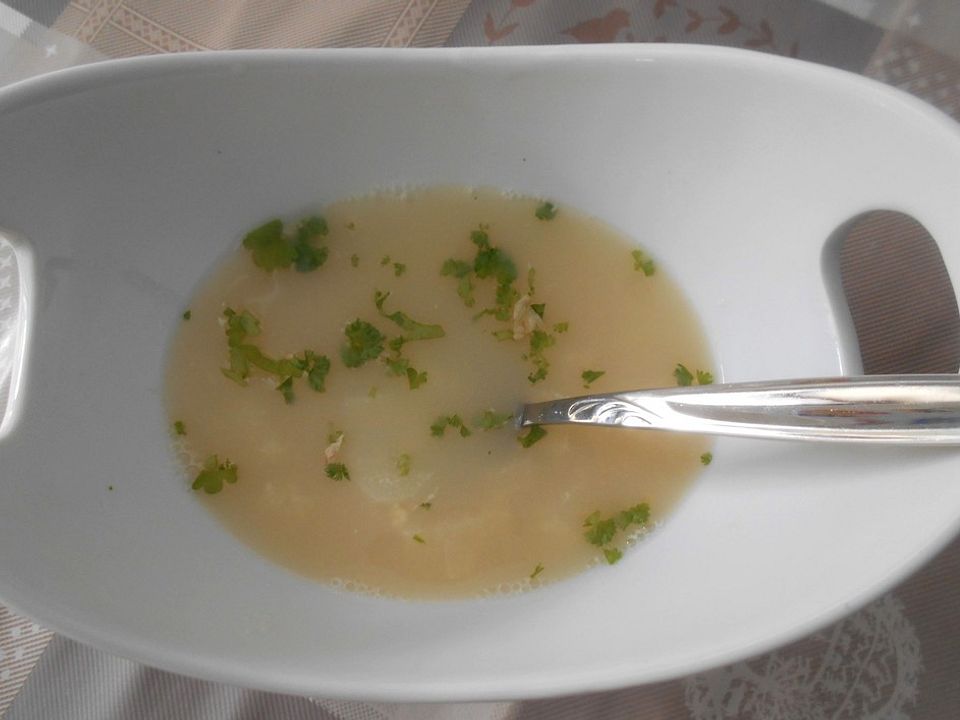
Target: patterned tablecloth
(897,658)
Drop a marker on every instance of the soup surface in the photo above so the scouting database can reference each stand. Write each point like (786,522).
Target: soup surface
(344,404)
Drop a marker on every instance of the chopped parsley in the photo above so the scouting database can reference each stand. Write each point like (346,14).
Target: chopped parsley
(272,250)
(637,515)
(534,434)
(417,538)
(546,211)
(612,555)
(364,343)
(706,458)
(385,260)
(492,420)
(492,263)
(539,341)
(308,257)
(337,471)
(355,260)
(463,272)
(412,330)
(187,314)
(602,531)
(244,357)
(685,377)
(588,376)
(561,327)
(285,389)
(316,368)
(642,263)
(403,464)
(214,474)
(454,421)
(399,269)
(536,571)
(179,428)
(426,505)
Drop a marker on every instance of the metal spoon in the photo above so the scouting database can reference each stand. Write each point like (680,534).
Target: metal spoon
(904,409)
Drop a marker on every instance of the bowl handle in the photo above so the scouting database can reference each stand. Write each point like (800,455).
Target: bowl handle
(17,295)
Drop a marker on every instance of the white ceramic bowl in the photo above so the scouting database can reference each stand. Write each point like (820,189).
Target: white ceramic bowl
(128,180)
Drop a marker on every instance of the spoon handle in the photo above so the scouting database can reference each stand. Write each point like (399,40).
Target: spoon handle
(904,409)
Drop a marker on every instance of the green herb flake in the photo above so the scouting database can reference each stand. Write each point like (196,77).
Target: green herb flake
(588,376)
(355,260)
(244,356)
(440,425)
(311,228)
(456,268)
(642,263)
(399,269)
(415,379)
(539,309)
(272,250)
(536,571)
(534,434)
(285,388)
(403,464)
(493,262)
(308,258)
(492,420)
(268,246)
(706,458)
(187,314)
(539,341)
(398,366)
(684,377)
(179,428)
(546,211)
(214,474)
(110,487)
(337,471)
(561,327)
(600,532)
(412,330)
(364,343)
(426,505)
(385,260)
(417,538)
(636,515)
(316,367)
(612,555)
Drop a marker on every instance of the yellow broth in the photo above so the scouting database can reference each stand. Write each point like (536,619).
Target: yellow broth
(423,516)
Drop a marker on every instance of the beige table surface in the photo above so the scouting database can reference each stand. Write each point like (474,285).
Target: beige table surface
(897,658)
